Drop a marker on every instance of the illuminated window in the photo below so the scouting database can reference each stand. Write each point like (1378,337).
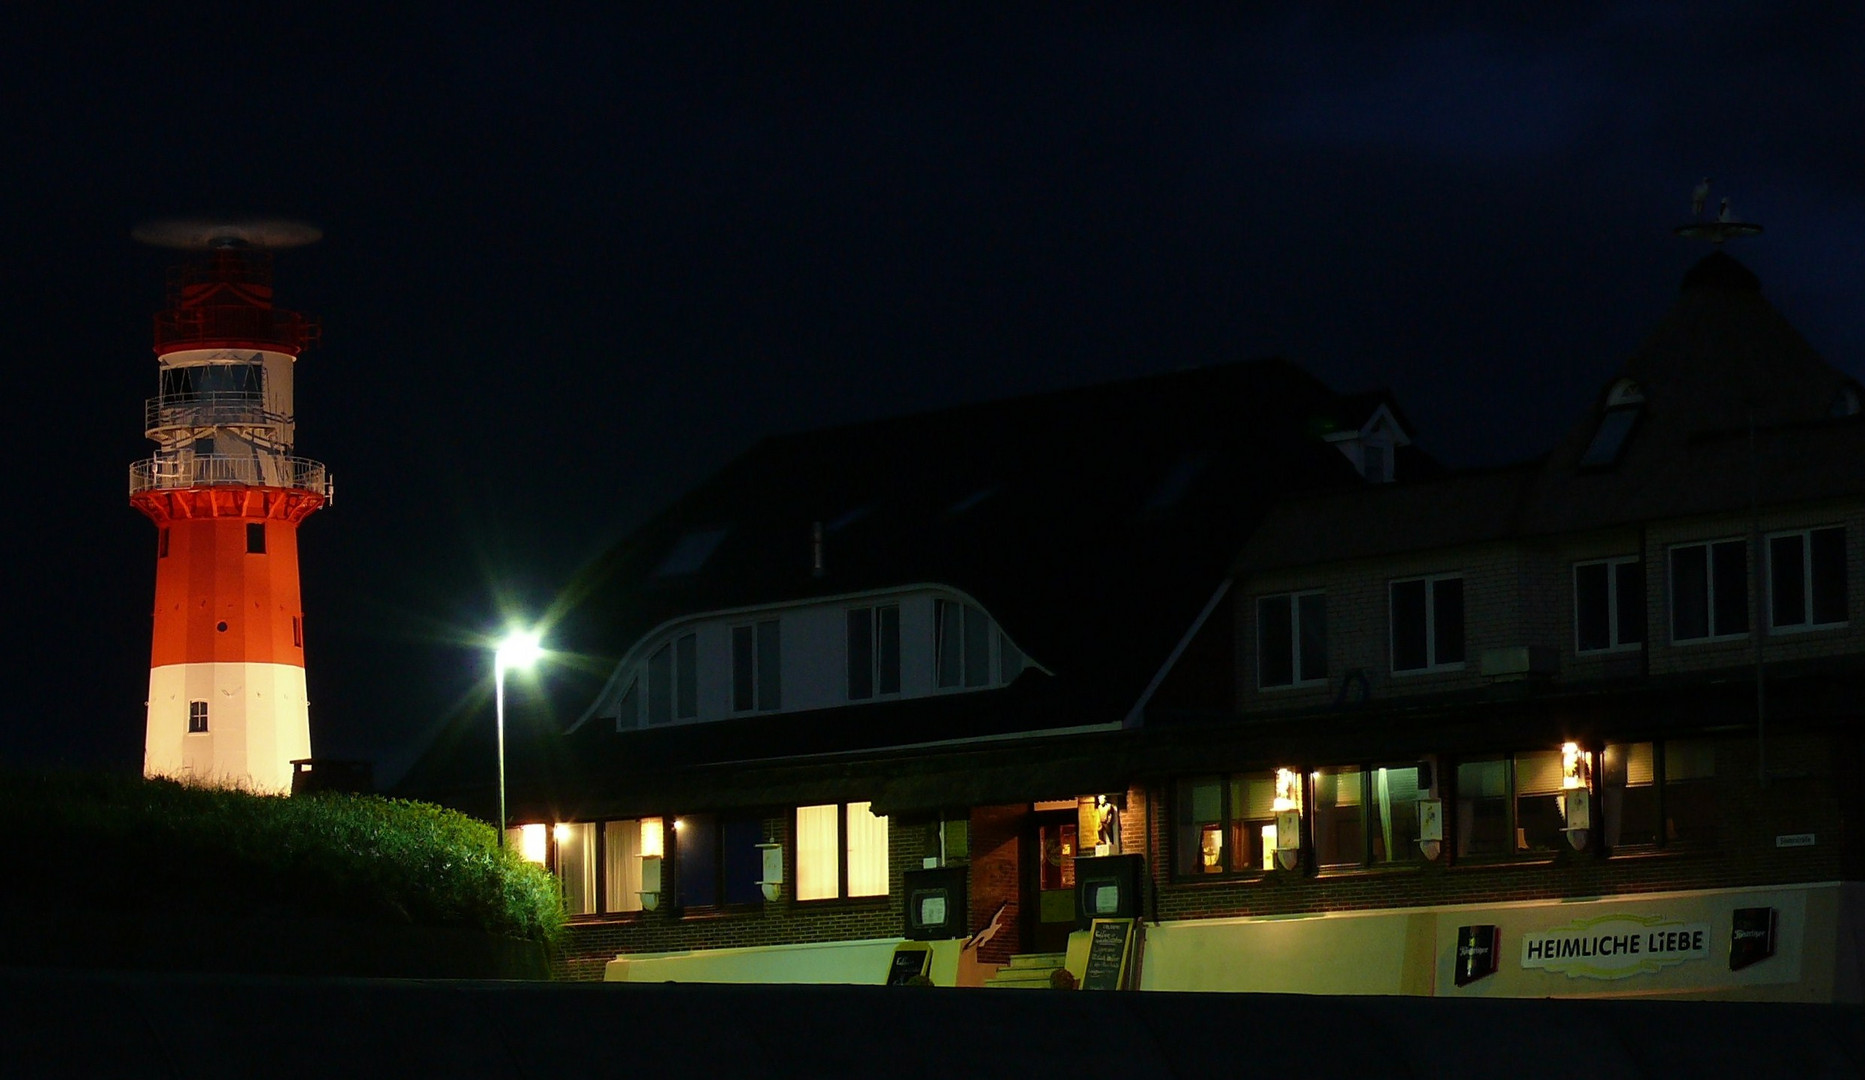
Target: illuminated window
(621,857)
(1427,620)
(197,717)
(574,848)
(1807,579)
(841,851)
(1365,816)
(1226,824)
(873,651)
(1609,605)
(757,668)
(1511,805)
(1709,590)
(1291,639)
(1640,812)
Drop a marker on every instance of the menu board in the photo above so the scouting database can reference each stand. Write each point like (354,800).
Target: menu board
(909,960)
(1109,945)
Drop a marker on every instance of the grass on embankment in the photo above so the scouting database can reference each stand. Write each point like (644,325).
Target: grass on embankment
(103,840)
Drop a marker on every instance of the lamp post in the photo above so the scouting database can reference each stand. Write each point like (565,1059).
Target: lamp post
(519,649)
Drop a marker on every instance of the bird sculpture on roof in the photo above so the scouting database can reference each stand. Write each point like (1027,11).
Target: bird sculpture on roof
(990,930)
(1699,197)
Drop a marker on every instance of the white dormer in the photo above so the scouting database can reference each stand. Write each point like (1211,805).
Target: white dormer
(1371,446)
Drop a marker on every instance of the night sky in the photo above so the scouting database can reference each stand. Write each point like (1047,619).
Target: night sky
(575,262)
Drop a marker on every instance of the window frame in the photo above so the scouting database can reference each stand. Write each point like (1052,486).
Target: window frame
(682,651)
(1668,793)
(880,639)
(1299,675)
(1615,605)
(197,717)
(720,859)
(1808,600)
(967,613)
(1229,826)
(1710,564)
(843,856)
(759,666)
(1314,817)
(1432,663)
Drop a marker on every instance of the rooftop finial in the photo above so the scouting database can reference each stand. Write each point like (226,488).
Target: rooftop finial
(1726,226)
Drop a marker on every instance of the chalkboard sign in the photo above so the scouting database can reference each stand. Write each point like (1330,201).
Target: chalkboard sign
(1109,944)
(909,960)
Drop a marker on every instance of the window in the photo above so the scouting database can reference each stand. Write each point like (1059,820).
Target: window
(1226,825)
(841,851)
(1365,816)
(757,668)
(1807,579)
(621,855)
(575,864)
(197,717)
(1428,623)
(1609,605)
(1640,812)
(673,681)
(256,538)
(1291,639)
(961,645)
(717,860)
(1511,805)
(1615,426)
(1709,590)
(297,631)
(873,651)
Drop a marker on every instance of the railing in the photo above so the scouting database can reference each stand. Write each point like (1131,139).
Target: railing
(210,408)
(172,473)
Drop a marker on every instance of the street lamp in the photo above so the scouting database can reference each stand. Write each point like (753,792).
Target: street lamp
(519,649)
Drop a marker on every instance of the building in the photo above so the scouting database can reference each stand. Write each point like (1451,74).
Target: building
(226,492)
(1581,726)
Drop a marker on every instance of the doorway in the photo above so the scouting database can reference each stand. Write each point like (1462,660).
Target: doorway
(1053,841)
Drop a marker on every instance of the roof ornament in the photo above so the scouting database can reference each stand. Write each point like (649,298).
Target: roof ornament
(1726,226)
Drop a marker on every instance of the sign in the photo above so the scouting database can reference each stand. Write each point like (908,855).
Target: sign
(1110,943)
(1477,953)
(1799,839)
(1615,946)
(909,959)
(1751,936)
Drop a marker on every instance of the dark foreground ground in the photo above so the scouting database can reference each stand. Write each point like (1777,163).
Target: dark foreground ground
(91,1024)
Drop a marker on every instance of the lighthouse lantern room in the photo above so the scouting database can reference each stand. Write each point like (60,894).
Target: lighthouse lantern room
(227,702)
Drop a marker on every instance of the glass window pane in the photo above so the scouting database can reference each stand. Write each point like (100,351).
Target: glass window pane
(817,842)
(1338,818)
(1630,583)
(1787,578)
(1827,553)
(867,851)
(621,851)
(744,671)
(888,648)
(977,647)
(1592,613)
(696,849)
(1538,820)
(1447,598)
(1313,626)
(660,685)
(1629,795)
(742,859)
(686,700)
(860,653)
(1690,593)
(1690,808)
(1408,625)
(1200,847)
(1392,813)
(770,667)
(1274,646)
(576,866)
(948,631)
(1483,808)
(1729,587)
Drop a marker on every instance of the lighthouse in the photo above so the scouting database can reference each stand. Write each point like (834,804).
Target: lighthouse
(227,703)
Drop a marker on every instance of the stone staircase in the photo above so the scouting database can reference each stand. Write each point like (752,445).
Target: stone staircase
(1027,971)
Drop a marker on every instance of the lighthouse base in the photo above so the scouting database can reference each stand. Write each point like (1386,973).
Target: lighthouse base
(237,725)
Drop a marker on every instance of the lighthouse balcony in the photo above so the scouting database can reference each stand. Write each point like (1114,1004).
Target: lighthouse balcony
(182,471)
(214,408)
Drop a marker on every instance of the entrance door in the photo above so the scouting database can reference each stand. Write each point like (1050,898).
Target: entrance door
(1051,883)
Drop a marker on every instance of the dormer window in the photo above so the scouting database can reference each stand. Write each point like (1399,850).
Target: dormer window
(1623,403)
(1371,446)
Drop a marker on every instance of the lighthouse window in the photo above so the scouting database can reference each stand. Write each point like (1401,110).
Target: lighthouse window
(255,539)
(161,544)
(197,717)
(200,380)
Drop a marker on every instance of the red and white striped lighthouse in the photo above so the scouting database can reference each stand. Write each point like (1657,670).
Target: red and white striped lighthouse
(226,673)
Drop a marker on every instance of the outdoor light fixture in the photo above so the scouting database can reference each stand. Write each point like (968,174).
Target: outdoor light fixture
(519,649)
(653,849)
(772,884)
(1288,808)
(1576,794)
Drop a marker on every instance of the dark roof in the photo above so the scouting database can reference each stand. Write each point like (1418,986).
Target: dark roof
(1094,524)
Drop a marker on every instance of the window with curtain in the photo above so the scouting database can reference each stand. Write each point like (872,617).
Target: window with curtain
(841,851)
(1225,824)
(621,852)
(575,844)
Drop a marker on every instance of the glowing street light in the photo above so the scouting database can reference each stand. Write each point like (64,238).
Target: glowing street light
(520,649)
